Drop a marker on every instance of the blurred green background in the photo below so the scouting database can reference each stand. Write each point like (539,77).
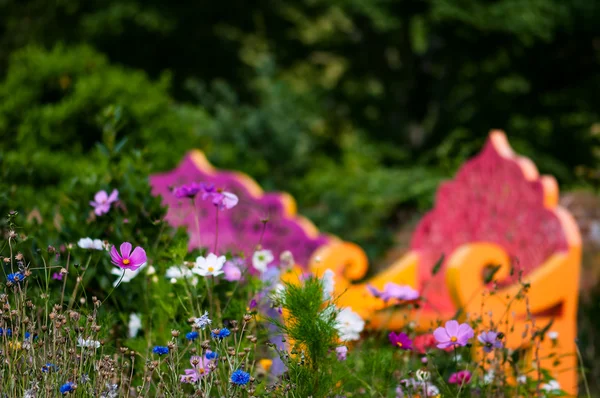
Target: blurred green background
(357,108)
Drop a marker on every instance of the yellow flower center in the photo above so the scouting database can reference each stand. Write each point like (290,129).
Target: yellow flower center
(126,261)
(210,269)
(399,344)
(201,371)
(453,339)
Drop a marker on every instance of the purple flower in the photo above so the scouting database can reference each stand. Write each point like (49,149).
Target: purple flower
(232,272)
(199,370)
(57,276)
(253,304)
(462,377)
(341,352)
(489,340)
(127,259)
(225,200)
(102,201)
(394,291)
(207,190)
(400,340)
(187,191)
(453,334)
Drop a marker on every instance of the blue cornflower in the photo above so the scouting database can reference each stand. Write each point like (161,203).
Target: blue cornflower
(211,355)
(67,387)
(8,332)
(220,333)
(27,335)
(191,336)
(16,277)
(49,367)
(240,377)
(160,350)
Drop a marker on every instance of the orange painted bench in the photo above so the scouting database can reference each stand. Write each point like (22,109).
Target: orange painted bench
(497,211)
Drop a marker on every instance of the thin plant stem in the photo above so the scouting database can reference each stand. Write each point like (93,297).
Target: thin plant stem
(585,382)
(217,231)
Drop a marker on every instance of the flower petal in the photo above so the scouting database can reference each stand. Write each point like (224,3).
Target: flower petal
(452,328)
(100,197)
(115,257)
(138,256)
(465,330)
(114,196)
(126,249)
(441,335)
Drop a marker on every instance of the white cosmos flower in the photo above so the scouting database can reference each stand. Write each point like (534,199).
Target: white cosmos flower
(261,259)
(551,386)
(522,379)
(328,284)
(129,274)
(89,243)
(89,343)
(134,325)
(209,265)
(349,324)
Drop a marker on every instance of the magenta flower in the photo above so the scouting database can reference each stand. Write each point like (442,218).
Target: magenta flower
(489,340)
(102,201)
(232,272)
(462,377)
(199,370)
(57,276)
(225,200)
(394,291)
(453,334)
(253,304)
(401,340)
(127,259)
(187,191)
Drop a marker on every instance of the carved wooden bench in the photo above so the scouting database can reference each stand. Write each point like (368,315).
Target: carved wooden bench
(497,211)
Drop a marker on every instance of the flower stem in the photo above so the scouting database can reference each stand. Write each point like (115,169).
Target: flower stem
(217,230)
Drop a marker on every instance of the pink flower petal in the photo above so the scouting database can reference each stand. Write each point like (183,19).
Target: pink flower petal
(229,200)
(114,196)
(451,326)
(138,257)
(115,257)
(465,330)
(441,335)
(125,250)
(100,197)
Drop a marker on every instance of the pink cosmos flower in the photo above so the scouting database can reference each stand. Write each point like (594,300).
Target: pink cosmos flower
(232,272)
(394,291)
(401,340)
(225,200)
(127,259)
(453,334)
(462,377)
(102,201)
(199,370)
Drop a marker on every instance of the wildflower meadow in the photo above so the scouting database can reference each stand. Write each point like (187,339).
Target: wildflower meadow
(299,199)
(173,323)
